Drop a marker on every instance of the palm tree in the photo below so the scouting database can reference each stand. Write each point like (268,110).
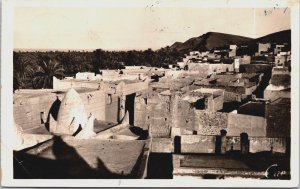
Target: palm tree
(23,70)
(43,77)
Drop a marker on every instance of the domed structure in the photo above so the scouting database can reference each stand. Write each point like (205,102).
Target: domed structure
(71,114)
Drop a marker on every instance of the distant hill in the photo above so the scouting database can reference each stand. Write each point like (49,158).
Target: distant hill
(277,37)
(209,41)
(212,40)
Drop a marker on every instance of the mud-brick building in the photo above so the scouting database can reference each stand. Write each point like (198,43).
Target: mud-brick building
(159,111)
(106,101)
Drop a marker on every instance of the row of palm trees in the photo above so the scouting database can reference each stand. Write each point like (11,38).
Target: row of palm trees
(28,74)
(36,69)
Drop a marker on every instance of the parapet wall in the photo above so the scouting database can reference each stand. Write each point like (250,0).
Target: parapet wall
(67,84)
(207,144)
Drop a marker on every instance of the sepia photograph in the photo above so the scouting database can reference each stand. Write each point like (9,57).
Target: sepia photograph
(129,93)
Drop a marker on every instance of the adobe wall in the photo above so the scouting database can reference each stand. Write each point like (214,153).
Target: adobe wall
(185,115)
(245,60)
(275,94)
(231,96)
(222,67)
(254,126)
(140,114)
(27,111)
(162,114)
(211,123)
(112,108)
(203,69)
(134,87)
(281,80)
(258,144)
(154,115)
(94,103)
(162,145)
(218,103)
(197,144)
(67,84)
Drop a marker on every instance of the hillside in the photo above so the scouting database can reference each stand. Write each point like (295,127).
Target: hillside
(277,37)
(209,41)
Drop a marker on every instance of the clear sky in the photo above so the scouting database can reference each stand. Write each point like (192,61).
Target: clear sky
(116,28)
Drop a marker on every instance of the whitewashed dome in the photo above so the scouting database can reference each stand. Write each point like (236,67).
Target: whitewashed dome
(71,114)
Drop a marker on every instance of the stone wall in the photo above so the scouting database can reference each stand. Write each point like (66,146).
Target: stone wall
(210,123)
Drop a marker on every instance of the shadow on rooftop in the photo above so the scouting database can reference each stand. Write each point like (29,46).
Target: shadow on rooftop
(67,164)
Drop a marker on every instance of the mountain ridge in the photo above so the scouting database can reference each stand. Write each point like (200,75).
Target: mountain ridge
(211,40)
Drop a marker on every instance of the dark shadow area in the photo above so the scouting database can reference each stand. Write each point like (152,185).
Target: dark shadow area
(143,134)
(252,108)
(53,111)
(257,162)
(245,143)
(67,164)
(200,104)
(78,130)
(160,166)
(211,176)
(230,106)
(259,92)
(218,145)
(177,144)
(129,106)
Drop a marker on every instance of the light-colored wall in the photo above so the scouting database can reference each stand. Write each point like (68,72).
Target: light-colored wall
(254,126)
(27,110)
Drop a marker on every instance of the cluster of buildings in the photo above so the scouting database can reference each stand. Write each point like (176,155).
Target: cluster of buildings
(211,108)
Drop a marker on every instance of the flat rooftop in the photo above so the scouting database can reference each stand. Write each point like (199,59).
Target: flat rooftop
(65,157)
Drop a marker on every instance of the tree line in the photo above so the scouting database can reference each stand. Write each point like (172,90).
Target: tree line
(36,69)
